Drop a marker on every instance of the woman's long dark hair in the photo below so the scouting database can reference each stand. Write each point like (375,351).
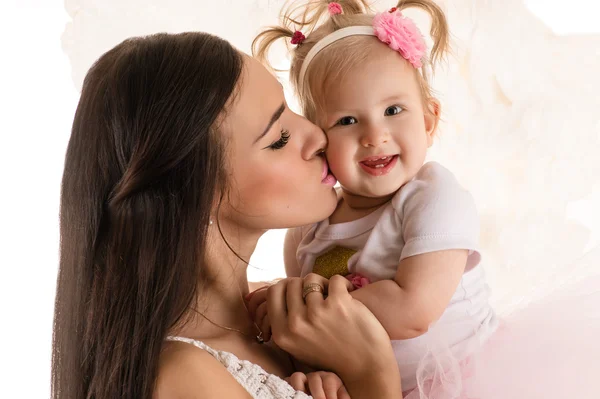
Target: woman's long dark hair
(142,170)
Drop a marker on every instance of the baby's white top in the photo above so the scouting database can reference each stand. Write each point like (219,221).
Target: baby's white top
(430,213)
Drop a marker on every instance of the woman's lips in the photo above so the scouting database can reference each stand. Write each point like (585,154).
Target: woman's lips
(379,165)
(326,177)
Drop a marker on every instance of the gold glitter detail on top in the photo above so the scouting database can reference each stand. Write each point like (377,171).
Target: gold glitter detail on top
(334,261)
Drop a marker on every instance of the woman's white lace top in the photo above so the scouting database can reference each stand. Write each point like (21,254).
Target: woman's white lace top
(259,383)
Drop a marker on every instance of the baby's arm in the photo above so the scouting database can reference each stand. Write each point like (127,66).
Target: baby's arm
(439,225)
(407,305)
(418,295)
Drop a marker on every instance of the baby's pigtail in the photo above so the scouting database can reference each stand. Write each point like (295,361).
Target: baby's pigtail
(439,27)
(265,39)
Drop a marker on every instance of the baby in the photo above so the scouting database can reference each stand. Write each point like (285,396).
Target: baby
(404,232)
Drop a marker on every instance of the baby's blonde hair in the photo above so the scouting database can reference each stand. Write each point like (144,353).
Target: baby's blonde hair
(313,19)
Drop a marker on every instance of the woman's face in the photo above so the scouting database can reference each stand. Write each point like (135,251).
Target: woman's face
(277,175)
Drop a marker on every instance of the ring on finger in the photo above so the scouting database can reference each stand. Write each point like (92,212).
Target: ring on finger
(313,287)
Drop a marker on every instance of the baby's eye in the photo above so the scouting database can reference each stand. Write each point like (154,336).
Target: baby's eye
(347,120)
(393,110)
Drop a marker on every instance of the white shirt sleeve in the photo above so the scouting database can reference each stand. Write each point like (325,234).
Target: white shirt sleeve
(437,214)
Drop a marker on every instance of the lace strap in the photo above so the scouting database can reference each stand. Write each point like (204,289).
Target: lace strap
(198,344)
(259,383)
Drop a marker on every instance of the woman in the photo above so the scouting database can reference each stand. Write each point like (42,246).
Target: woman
(183,152)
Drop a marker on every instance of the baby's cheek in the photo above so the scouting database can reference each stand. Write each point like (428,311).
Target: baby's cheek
(338,152)
(338,164)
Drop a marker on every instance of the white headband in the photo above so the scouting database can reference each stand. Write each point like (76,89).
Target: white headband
(361,30)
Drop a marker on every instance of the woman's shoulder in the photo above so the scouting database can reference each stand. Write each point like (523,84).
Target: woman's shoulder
(189,371)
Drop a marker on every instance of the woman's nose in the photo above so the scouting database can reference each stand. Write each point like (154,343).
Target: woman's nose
(315,143)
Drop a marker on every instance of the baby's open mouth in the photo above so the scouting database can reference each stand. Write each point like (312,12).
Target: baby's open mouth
(379,165)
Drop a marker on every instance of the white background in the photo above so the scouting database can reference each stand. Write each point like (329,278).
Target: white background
(39,93)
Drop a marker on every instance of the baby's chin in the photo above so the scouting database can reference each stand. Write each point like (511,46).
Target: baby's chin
(378,191)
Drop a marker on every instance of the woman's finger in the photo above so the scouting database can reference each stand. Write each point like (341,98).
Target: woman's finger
(277,307)
(256,299)
(331,385)
(295,304)
(342,393)
(261,312)
(316,297)
(315,387)
(339,286)
(265,328)
(298,381)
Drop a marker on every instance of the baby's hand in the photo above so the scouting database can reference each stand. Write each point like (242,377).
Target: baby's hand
(320,385)
(256,302)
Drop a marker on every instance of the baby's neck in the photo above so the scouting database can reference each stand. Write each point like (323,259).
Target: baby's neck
(353,207)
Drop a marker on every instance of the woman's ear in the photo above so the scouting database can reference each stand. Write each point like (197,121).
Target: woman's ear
(432,118)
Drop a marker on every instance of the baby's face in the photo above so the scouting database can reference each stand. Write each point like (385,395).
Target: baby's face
(375,122)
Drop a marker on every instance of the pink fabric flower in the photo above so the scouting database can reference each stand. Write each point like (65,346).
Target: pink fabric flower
(402,35)
(334,8)
(358,280)
(298,37)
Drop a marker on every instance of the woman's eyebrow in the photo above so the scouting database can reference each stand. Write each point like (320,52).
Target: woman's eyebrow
(274,118)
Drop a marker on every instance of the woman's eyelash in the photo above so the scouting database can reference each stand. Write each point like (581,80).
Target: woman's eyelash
(283,140)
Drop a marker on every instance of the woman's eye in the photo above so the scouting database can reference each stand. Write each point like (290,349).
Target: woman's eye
(393,110)
(347,120)
(283,140)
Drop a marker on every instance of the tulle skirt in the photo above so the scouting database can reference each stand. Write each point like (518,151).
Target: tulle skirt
(548,349)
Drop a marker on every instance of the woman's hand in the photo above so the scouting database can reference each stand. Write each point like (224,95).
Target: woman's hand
(319,384)
(256,303)
(330,330)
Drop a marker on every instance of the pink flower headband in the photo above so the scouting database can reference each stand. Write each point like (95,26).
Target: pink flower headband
(402,35)
(392,28)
